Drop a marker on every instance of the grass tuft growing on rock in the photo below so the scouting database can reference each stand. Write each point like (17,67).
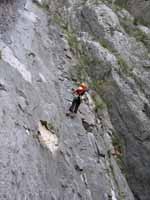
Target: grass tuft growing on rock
(99,103)
(101,86)
(118,151)
(121,4)
(142,37)
(124,67)
(104,43)
(58,19)
(82,71)
(141,21)
(78,71)
(131,28)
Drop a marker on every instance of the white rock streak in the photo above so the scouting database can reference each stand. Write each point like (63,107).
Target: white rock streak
(48,139)
(7,56)
(29,15)
(113,195)
(42,77)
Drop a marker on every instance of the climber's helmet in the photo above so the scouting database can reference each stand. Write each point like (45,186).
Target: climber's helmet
(84,85)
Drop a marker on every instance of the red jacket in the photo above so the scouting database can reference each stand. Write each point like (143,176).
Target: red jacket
(80,91)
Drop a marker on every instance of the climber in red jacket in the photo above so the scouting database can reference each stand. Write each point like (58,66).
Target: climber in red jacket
(80,91)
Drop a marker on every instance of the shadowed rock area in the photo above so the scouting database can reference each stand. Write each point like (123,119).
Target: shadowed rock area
(140,9)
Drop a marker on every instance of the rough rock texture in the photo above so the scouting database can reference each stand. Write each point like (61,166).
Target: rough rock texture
(139,8)
(118,60)
(46,155)
(125,87)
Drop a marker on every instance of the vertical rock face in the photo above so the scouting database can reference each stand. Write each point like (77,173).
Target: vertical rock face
(118,61)
(46,47)
(125,87)
(44,154)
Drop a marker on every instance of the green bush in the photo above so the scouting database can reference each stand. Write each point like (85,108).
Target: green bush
(141,36)
(132,29)
(116,143)
(104,44)
(124,67)
(121,3)
(99,103)
(118,146)
(128,25)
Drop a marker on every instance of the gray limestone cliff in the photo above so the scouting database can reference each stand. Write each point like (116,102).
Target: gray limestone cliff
(47,47)
(140,9)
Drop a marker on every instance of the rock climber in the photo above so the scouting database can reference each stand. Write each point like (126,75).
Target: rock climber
(79,92)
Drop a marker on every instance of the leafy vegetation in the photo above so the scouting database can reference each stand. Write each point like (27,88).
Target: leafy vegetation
(83,69)
(121,3)
(131,27)
(128,25)
(58,19)
(104,43)
(118,151)
(76,48)
(101,87)
(117,143)
(124,67)
(99,103)
(141,36)
(141,21)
